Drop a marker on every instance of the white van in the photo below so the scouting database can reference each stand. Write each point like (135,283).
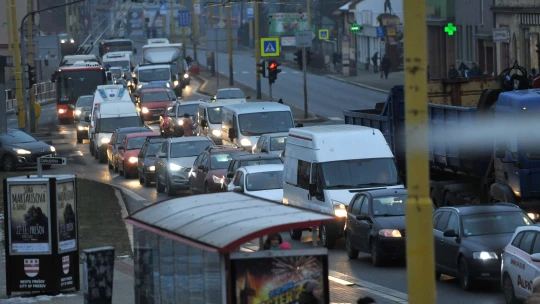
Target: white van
(326,165)
(123,60)
(209,119)
(108,117)
(242,124)
(106,93)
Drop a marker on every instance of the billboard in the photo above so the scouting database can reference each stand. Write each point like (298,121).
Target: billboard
(286,24)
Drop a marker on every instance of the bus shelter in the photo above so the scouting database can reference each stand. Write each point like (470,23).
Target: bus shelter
(187,250)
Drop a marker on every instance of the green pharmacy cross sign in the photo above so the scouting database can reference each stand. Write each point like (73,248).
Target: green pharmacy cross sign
(355,28)
(450,29)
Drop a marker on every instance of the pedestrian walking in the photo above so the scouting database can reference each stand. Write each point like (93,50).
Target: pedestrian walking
(385,66)
(312,293)
(375,59)
(188,125)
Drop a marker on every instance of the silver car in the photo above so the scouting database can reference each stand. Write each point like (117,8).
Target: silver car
(84,102)
(272,143)
(175,160)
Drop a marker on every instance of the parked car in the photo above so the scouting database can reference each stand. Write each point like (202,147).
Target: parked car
(469,240)
(116,140)
(128,152)
(264,181)
(248,160)
(376,225)
(18,149)
(146,160)
(152,102)
(273,143)
(175,161)
(207,173)
(176,117)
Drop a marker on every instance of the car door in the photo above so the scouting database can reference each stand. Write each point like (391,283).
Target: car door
(121,148)
(161,163)
(353,223)
(173,120)
(110,153)
(203,128)
(140,157)
(531,270)
(238,180)
(364,226)
(438,231)
(205,163)
(193,174)
(199,174)
(450,245)
(524,251)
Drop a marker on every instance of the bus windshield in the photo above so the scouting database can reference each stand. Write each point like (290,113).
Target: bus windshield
(117,46)
(72,84)
(120,64)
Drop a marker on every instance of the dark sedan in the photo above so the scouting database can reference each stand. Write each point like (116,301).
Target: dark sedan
(376,225)
(146,165)
(18,149)
(469,240)
(82,125)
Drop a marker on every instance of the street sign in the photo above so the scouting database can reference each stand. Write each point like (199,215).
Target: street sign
(270,47)
(355,28)
(380,32)
(183,18)
(197,8)
(303,39)
(52,160)
(323,34)
(501,35)
(250,13)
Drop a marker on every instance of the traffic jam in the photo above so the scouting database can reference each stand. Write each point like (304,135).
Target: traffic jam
(230,143)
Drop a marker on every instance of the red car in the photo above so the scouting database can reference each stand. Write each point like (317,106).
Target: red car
(152,102)
(164,121)
(128,152)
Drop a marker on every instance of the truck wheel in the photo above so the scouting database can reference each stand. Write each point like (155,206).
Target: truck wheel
(328,237)
(296,234)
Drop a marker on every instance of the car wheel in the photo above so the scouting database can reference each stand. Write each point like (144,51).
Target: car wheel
(168,190)
(120,171)
(141,179)
(147,182)
(351,252)
(328,239)
(376,257)
(115,167)
(126,173)
(9,163)
(296,234)
(464,276)
(508,290)
(206,188)
(159,187)
(79,141)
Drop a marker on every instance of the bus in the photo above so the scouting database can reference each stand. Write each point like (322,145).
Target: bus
(116,45)
(81,78)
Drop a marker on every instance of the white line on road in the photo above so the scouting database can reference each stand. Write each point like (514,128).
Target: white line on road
(132,194)
(335,118)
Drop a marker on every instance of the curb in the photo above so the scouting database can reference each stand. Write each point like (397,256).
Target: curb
(357,84)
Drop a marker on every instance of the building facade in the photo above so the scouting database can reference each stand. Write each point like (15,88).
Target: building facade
(441,51)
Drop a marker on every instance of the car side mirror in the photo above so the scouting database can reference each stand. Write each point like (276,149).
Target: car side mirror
(232,133)
(248,97)
(263,150)
(363,218)
(299,125)
(450,233)
(535,257)
(87,119)
(229,175)
(238,189)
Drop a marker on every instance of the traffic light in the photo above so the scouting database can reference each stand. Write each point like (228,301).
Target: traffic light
(309,56)
(31,76)
(262,68)
(298,58)
(273,71)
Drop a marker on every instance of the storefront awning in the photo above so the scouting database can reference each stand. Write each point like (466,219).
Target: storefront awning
(222,221)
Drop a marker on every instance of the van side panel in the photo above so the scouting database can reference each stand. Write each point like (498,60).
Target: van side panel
(226,124)
(295,189)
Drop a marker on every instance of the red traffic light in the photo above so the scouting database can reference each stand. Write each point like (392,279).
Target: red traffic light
(272,65)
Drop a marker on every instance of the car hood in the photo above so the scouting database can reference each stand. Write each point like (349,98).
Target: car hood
(390,222)
(156,104)
(186,162)
(275,195)
(494,242)
(34,147)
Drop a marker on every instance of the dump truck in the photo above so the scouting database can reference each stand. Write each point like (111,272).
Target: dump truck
(168,53)
(502,167)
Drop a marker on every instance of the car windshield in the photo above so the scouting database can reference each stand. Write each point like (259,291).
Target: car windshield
(265,122)
(85,101)
(72,83)
(118,46)
(108,125)
(192,110)
(148,75)
(230,94)
(221,160)
(359,173)
(16,137)
(156,96)
(264,181)
(278,143)
(136,143)
(214,115)
(153,148)
(117,73)
(389,205)
(494,222)
(255,162)
(190,148)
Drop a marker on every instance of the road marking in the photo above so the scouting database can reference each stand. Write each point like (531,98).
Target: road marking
(245,72)
(335,118)
(125,214)
(132,194)
(340,281)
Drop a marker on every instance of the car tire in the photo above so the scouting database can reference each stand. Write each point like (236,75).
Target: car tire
(126,173)
(207,189)
(115,167)
(147,182)
(9,163)
(295,234)
(376,256)
(102,159)
(351,252)
(168,190)
(464,277)
(121,172)
(159,187)
(141,179)
(508,290)
(328,237)
(79,141)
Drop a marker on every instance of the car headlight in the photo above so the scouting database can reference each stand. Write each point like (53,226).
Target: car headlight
(176,82)
(144,110)
(340,210)
(61,111)
(105,140)
(186,75)
(217,180)
(390,233)
(133,159)
(22,151)
(78,112)
(62,41)
(53,149)
(533,216)
(245,142)
(175,167)
(216,132)
(485,255)
(152,168)
(72,41)
(139,86)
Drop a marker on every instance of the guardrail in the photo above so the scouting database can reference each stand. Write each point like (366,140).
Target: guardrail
(43,91)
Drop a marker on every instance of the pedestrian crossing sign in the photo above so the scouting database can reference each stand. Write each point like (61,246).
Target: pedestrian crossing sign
(270,47)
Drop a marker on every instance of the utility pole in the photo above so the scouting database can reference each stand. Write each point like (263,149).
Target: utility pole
(229,44)
(195,29)
(257,46)
(68,23)
(18,68)
(183,34)
(10,34)
(30,98)
(172,22)
(304,66)
(212,54)
(419,207)
(77,23)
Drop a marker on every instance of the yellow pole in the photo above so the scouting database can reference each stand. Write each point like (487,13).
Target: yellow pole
(229,44)
(172,22)
(10,34)
(257,47)
(183,35)
(30,36)
(68,24)
(212,54)
(419,210)
(17,62)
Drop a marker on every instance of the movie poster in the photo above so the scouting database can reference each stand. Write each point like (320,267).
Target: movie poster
(67,219)
(270,280)
(29,215)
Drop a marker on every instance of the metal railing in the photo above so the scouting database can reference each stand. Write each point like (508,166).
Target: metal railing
(42,92)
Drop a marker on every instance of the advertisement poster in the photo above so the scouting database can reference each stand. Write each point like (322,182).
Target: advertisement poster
(67,225)
(135,16)
(286,24)
(266,280)
(30,223)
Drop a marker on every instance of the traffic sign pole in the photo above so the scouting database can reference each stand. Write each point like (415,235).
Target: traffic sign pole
(270,88)
(304,67)
(257,46)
